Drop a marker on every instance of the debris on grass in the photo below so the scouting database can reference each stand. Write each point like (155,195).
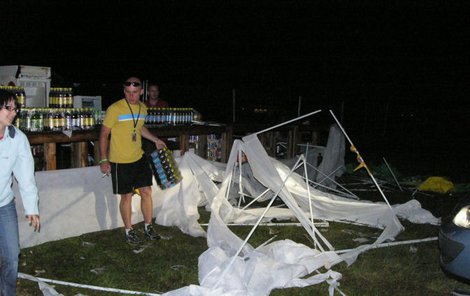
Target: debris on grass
(360,240)
(273,231)
(98,270)
(39,271)
(166,237)
(347,231)
(138,251)
(88,244)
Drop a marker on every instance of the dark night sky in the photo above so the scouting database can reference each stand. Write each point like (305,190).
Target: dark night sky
(411,57)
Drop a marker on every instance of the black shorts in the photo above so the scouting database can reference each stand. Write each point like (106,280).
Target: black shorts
(129,176)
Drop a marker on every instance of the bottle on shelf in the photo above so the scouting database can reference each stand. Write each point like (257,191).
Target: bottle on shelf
(67,119)
(52,93)
(69,98)
(20,96)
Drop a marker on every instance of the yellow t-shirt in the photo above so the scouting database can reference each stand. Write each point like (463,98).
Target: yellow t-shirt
(121,120)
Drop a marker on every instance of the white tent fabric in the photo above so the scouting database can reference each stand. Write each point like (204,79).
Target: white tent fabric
(257,272)
(78,201)
(325,163)
(332,164)
(71,202)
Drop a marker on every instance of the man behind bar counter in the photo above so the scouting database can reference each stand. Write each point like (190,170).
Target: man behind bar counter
(126,162)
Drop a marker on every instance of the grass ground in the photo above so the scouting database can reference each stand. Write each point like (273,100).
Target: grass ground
(103,259)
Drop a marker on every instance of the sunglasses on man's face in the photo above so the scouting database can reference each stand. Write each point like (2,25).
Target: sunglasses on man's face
(134,84)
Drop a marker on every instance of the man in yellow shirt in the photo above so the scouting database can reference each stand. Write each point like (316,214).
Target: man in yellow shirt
(126,162)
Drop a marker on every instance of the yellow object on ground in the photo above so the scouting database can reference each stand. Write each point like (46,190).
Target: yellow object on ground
(436,184)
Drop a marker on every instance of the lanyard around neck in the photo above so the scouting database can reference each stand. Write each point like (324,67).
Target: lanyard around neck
(134,120)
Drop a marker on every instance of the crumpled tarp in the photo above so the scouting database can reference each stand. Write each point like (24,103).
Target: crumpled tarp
(231,268)
(436,184)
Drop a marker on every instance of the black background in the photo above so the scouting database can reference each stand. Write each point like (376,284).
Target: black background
(396,72)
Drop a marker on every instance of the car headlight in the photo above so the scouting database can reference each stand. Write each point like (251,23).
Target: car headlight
(462,218)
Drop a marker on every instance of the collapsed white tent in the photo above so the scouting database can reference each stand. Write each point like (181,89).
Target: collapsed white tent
(256,272)
(221,270)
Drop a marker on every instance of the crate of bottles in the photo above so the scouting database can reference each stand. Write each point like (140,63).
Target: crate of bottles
(55,119)
(169,116)
(61,97)
(165,170)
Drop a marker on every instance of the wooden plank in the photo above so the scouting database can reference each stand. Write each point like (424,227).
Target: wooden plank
(59,137)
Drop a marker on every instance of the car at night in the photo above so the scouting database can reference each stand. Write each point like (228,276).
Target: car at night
(454,242)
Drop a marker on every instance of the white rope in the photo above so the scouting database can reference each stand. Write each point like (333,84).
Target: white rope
(408,242)
(113,290)
(317,224)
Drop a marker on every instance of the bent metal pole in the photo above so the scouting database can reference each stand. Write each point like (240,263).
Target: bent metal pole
(362,164)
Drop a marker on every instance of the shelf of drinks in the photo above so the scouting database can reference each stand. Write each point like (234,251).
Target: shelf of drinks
(210,142)
(74,135)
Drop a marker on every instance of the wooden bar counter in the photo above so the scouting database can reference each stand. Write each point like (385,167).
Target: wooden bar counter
(79,141)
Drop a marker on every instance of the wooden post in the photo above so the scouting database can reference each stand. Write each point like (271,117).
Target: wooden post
(83,154)
(226,143)
(50,156)
(79,154)
(96,152)
(74,159)
(184,142)
(292,141)
(202,143)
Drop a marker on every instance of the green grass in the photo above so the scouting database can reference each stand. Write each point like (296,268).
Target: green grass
(170,264)
(159,266)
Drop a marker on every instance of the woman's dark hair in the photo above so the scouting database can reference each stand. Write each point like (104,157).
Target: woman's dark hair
(5,97)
